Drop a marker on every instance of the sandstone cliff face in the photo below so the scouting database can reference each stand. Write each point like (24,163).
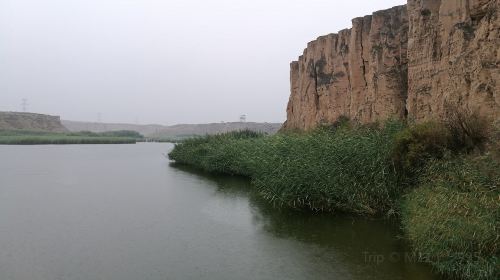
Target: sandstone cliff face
(454,57)
(30,121)
(359,73)
(407,61)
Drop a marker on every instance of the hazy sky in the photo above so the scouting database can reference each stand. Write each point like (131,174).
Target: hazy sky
(161,61)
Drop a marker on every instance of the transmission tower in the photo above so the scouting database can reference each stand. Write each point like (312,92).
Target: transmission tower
(243,118)
(24,104)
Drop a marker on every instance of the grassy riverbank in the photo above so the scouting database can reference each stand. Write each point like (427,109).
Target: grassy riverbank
(315,170)
(453,217)
(439,179)
(23,137)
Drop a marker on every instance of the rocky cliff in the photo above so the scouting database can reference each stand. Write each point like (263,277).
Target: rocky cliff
(30,121)
(454,57)
(408,61)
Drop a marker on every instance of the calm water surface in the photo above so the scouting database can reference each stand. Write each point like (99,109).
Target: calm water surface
(123,212)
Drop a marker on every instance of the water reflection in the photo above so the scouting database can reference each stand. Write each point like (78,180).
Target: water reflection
(371,248)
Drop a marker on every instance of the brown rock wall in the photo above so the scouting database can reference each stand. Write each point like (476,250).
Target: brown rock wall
(359,73)
(409,60)
(454,57)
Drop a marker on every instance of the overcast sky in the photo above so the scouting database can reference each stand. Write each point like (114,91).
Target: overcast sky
(161,61)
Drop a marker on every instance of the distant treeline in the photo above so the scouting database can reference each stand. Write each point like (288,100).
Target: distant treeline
(171,139)
(26,137)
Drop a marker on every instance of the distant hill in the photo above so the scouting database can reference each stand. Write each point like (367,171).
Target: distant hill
(30,121)
(145,130)
(214,128)
(174,131)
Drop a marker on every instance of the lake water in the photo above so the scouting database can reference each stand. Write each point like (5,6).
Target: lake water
(124,212)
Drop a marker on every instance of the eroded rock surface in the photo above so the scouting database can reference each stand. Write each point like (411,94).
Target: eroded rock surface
(408,61)
(454,57)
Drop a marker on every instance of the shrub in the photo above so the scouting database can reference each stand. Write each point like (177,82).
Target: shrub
(462,131)
(467,128)
(417,144)
(452,219)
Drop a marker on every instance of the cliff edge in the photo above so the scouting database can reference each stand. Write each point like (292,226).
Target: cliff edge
(414,61)
(30,121)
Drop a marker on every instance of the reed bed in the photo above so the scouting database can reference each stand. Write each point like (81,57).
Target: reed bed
(453,218)
(344,168)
